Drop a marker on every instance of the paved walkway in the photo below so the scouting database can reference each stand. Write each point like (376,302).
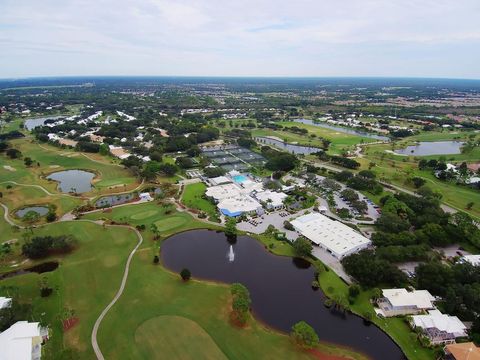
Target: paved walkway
(119,293)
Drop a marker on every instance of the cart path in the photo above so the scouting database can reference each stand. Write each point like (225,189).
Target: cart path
(119,293)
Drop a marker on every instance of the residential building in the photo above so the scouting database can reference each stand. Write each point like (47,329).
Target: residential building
(402,302)
(463,351)
(22,341)
(439,328)
(272,200)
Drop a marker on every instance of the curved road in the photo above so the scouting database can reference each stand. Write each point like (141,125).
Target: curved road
(119,293)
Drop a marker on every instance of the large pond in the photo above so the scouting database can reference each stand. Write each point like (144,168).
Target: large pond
(78,181)
(40,210)
(343,129)
(291,148)
(31,124)
(424,148)
(280,288)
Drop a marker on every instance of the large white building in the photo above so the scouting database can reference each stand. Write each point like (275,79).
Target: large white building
(402,302)
(439,328)
(22,341)
(271,199)
(338,239)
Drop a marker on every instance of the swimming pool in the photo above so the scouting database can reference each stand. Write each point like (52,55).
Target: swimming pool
(240,178)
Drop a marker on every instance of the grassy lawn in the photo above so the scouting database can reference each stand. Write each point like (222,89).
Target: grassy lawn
(396,169)
(110,178)
(180,336)
(192,197)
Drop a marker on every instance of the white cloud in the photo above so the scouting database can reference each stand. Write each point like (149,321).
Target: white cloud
(248,37)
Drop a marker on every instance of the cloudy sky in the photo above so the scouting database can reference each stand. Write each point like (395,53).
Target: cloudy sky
(421,38)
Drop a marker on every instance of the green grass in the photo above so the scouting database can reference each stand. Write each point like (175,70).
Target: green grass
(192,197)
(397,169)
(339,141)
(175,335)
(111,178)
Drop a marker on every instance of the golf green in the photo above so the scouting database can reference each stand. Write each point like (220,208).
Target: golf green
(170,223)
(175,335)
(144,215)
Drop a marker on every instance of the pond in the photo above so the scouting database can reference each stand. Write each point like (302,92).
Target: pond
(291,148)
(31,124)
(111,200)
(280,288)
(40,210)
(425,148)
(345,130)
(78,181)
(39,269)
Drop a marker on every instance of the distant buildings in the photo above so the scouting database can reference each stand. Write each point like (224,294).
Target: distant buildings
(338,239)
(402,302)
(439,328)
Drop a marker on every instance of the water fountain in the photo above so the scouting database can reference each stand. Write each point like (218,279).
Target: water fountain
(231,254)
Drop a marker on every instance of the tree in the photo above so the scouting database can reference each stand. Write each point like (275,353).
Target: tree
(28,161)
(349,195)
(418,182)
(185,274)
(168,169)
(304,335)
(13,153)
(470,205)
(240,303)
(302,247)
(156,259)
(231,228)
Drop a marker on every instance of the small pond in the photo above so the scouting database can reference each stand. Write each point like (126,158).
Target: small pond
(39,269)
(111,200)
(78,181)
(40,210)
(291,148)
(425,148)
(280,288)
(345,130)
(31,124)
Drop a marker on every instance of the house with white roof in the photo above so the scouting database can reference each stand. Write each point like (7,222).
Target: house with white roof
(219,180)
(22,341)
(402,302)
(223,191)
(5,302)
(439,328)
(239,205)
(472,259)
(336,238)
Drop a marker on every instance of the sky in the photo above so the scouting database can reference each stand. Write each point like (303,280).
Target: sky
(393,38)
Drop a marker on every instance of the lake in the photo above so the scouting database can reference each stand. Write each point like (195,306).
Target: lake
(291,148)
(31,124)
(345,130)
(40,210)
(425,148)
(280,288)
(78,181)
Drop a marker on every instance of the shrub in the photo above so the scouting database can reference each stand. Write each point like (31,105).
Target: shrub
(185,274)
(304,335)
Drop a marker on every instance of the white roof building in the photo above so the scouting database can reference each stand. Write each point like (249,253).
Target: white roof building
(235,206)
(219,180)
(402,302)
(271,198)
(338,239)
(22,341)
(472,259)
(440,328)
(224,191)
(5,302)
